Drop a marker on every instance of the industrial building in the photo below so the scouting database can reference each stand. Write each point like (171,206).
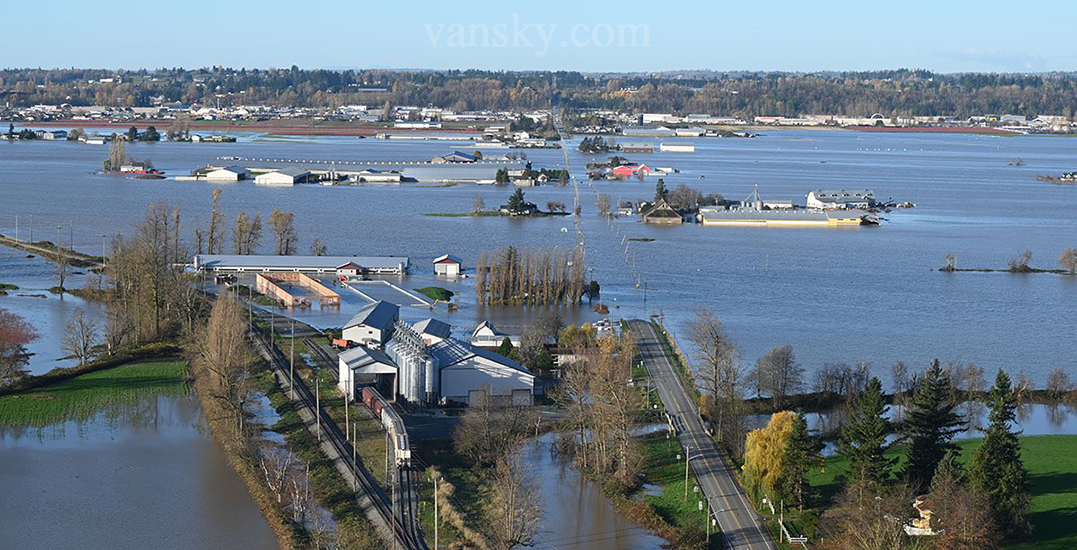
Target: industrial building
(841,198)
(319,265)
(284,176)
(447,266)
(422,365)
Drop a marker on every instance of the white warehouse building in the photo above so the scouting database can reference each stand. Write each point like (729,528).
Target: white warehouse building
(424,366)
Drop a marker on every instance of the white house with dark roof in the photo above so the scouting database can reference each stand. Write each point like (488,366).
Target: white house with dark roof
(373,324)
(486,335)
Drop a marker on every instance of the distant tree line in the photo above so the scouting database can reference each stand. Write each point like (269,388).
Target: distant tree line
(893,93)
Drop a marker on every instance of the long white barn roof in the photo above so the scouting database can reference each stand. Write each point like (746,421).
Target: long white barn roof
(232,261)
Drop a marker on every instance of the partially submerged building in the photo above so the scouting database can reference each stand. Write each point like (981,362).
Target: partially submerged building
(824,199)
(317,265)
(284,177)
(447,266)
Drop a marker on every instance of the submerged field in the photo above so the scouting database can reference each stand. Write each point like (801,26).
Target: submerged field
(80,397)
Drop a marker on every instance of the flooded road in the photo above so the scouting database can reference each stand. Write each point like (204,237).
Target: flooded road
(136,476)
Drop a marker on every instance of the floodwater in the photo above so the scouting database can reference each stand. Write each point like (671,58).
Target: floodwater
(577,514)
(144,476)
(851,295)
(48,313)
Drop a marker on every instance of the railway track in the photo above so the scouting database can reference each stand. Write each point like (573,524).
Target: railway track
(328,361)
(402,524)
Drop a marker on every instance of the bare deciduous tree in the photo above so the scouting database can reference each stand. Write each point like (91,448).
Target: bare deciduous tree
(1059,383)
(603,205)
(246,233)
(1019,263)
(318,248)
(80,336)
(478,204)
(1068,260)
(118,327)
(215,234)
(778,375)
(513,515)
(224,360)
(489,432)
(283,225)
(720,374)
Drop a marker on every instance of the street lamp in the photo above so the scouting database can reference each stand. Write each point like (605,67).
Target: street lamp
(687,457)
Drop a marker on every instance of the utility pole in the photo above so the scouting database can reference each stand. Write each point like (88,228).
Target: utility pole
(355,477)
(687,451)
(318,404)
(31,241)
(16,228)
(347,422)
(291,358)
(435,513)
(781,520)
(395,538)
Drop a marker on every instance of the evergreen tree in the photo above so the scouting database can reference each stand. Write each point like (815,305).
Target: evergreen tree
(863,440)
(516,201)
(950,470)
(660,191)
(996,469)
(801,451)
(930,426)
(505,349)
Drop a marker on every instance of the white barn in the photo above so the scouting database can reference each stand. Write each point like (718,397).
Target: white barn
(447,266)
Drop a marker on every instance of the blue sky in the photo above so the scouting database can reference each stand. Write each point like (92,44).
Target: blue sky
(941,35)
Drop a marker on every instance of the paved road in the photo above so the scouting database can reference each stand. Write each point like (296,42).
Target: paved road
(741,526)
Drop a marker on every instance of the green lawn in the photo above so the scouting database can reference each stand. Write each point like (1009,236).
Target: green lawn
(436,293)
(1052,462)
(82,396)
(665,489)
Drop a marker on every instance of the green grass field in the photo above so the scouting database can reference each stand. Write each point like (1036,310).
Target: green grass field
(1052,462)
(81,397)
(665,489)
(436,293)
